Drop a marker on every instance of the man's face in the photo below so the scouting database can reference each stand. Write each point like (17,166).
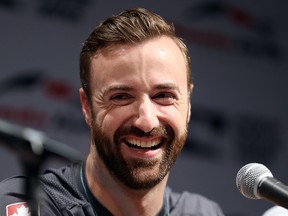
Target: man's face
(139,110)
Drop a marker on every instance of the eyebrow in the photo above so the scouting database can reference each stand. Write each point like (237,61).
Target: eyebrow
(163,86)
(168,86)
(117,88)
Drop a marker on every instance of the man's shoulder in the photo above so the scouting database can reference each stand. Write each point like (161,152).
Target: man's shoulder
(58,189)
(12,186)
(62,184)
(12,183)
(12,194)
(187,203)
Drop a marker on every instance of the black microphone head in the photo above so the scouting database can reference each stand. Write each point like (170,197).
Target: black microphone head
(249,177)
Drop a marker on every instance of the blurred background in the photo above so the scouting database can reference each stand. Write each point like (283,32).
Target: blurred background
(239,104)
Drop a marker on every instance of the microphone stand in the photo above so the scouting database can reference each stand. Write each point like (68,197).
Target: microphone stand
(31,187)
(31,165)
(33,149)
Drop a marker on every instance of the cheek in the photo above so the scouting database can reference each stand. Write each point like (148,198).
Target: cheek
(110,121)
(176,117)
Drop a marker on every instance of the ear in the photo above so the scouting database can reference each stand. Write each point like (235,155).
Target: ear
(86,109)
(189,102)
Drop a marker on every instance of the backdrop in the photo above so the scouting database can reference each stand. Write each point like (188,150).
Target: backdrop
(239,104)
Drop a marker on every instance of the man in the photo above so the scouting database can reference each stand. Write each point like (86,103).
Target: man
(135,95)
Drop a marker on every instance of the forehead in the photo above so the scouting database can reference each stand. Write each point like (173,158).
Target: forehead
(156,57)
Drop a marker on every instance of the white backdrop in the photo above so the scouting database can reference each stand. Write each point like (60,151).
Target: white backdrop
(239,104)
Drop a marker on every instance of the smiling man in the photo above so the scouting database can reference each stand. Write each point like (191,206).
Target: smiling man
(138,111)
(135,95)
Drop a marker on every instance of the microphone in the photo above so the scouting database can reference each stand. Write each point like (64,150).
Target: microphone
(255,181)
(32,145)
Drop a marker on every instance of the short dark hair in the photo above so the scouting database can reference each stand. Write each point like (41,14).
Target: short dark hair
(129,27)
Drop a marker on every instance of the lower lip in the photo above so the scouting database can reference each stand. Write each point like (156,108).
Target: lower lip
(141,153)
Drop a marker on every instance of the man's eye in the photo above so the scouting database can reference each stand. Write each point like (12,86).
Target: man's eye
(121,99)
(165,98)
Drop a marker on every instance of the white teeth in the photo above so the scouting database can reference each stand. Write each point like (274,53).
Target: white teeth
(142,143)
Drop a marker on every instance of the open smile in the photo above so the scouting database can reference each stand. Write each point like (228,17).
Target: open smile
(145,144)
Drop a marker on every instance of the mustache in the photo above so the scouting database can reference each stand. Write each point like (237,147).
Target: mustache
(161,130)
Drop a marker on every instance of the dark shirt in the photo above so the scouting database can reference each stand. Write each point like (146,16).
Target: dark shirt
(65,191)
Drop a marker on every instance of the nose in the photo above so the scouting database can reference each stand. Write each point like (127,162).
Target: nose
(146,117)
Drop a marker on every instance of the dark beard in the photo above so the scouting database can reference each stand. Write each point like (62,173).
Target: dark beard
(135,173)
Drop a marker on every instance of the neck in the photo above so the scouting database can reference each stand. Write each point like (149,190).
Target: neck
(119,199)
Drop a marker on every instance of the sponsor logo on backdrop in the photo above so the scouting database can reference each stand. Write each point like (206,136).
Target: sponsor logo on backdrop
(251,137)
(70,11)
(44,92)
(255,35)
